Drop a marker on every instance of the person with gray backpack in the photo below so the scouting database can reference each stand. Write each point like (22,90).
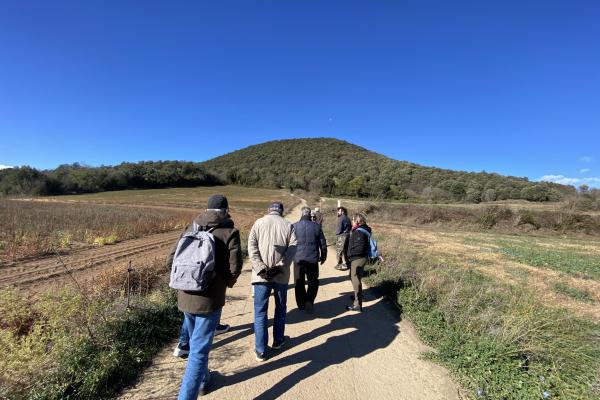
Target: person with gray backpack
(206,259)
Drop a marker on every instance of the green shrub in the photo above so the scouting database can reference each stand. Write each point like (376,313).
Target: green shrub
(526,217)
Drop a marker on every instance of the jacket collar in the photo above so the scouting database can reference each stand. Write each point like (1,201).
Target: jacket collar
(213,218)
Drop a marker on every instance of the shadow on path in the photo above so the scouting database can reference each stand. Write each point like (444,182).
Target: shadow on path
(368,334)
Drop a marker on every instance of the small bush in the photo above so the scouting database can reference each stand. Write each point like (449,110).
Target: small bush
(526,217)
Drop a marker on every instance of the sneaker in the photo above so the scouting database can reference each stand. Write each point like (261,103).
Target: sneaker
(341,267)
(353,308)
(278,344)
(261,356)
(222,328)
(182,350)
(309,307)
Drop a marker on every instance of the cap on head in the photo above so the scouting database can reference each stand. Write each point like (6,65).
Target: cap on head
(317,209)
(217,202)
(277,207)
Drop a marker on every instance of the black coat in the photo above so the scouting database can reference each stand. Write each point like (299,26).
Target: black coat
(311,246)
(343,225)
(358,244)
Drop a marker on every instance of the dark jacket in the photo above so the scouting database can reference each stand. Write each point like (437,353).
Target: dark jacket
(343,225)
(228,260)
(319,218)
(312,246)
(358,244)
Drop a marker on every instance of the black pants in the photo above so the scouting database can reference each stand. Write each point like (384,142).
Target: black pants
(310,272)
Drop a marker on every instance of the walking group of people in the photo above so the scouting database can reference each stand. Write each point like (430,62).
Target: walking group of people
(207,259)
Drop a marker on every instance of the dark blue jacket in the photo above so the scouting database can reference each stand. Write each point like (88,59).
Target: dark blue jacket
(343,225)
(311,241)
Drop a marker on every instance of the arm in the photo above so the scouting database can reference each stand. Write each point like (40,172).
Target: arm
(288,257)
(253,251)
(235,258)
(323,246)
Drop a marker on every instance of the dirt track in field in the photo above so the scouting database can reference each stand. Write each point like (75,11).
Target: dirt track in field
(40,273)
(333,354)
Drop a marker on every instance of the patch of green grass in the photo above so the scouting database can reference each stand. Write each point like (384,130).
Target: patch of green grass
(562,260)
(575,293)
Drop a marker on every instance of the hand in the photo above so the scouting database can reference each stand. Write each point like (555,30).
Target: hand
(322,261)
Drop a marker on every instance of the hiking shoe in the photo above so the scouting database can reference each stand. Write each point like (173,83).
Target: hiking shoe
(354,308)
(222,328)
(309,307)
(260,356)
(182,350)
(278,344)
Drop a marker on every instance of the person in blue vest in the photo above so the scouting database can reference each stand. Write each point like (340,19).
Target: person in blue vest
(311,249)
(357,253)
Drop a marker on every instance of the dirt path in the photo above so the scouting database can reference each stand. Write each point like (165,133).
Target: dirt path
(333,354)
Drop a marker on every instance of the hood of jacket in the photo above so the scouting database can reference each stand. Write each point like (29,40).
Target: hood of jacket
(212,219)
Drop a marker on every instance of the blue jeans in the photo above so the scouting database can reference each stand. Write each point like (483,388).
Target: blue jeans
(262,291)
(184,335)
(201,328)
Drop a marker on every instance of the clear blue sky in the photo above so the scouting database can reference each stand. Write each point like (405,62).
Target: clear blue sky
(506,86)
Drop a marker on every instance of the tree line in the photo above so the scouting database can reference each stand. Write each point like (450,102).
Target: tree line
(326,166)
(76,178)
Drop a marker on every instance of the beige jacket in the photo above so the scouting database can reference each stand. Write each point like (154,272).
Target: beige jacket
(271,243)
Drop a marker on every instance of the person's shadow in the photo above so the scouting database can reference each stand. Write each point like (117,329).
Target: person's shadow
(375,328)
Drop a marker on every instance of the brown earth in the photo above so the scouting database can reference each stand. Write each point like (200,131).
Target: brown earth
(83,264)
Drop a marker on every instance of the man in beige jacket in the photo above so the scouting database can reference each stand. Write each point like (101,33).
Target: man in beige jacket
(271,248)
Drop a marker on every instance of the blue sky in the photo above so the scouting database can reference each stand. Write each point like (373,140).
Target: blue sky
(510,87)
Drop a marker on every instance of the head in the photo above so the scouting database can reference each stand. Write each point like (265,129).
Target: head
(276,207)
(218,203)
(359,219)
(317,209)
(342,210)
(305,212)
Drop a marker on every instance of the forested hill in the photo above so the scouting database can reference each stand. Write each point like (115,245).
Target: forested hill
(326,166)
(336,167)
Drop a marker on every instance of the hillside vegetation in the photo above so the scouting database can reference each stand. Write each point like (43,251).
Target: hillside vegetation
(339,168)
(325,166)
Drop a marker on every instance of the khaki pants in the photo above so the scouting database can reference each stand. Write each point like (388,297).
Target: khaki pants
(341,245)
(356,273)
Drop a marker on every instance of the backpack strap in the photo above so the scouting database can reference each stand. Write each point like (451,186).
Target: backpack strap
(366,232)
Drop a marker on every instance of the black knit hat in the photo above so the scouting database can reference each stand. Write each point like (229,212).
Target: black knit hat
(217,202)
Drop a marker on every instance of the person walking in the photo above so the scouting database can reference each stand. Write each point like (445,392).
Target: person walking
(358,253)
(311,249)
(271,249)
(342,232)
(202,309)
(318,216)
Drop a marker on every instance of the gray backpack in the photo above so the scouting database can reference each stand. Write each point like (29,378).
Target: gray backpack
(193,266)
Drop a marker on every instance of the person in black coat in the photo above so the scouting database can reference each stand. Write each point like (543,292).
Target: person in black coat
(311,249)
(357,253)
